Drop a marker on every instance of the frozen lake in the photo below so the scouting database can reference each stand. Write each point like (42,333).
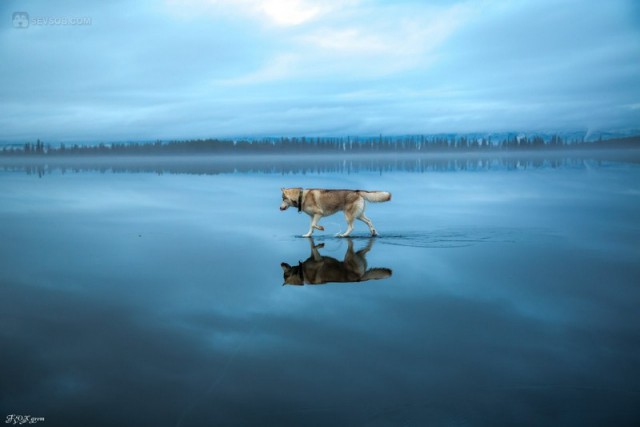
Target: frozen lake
(509,295)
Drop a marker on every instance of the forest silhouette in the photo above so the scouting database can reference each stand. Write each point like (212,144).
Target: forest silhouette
(414,144)
(318,155)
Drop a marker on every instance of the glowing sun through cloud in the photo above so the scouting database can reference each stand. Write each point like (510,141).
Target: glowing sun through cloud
(289,12)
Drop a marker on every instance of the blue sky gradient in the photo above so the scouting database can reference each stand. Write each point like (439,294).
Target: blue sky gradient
(220,68)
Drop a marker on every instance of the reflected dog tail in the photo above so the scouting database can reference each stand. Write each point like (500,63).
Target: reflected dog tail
(377,274)
(375,196)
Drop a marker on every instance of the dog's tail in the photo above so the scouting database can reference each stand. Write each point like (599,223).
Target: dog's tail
(377,274)
(375,196)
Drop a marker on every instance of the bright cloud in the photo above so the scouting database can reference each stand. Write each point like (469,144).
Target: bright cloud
(288,12)
(279,12)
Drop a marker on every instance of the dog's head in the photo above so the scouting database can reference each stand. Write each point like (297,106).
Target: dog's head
(292,275)
(289,198)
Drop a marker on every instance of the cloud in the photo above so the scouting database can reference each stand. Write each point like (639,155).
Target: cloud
(284,13)
(200,68)
(289,12)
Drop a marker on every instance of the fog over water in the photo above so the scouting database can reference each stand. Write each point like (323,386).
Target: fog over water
(506,294)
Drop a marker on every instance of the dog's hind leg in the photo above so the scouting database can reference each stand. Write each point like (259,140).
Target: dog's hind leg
(350,214)
(349,217)
(355,261)
(367,221)
(362,252)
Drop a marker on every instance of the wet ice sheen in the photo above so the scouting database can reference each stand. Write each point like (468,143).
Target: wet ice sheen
(449,238)
(145,299)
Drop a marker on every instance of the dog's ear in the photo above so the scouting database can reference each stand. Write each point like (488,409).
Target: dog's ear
(285,266)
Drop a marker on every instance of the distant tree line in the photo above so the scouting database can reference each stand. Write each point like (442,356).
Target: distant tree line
(290,165)
(320,145)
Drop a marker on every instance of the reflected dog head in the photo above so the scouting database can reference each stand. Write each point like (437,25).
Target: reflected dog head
(292,275)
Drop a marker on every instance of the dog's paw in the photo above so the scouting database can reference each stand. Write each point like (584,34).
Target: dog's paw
(306,235)
(321,228)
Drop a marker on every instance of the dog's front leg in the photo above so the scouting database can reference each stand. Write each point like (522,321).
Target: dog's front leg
(314,224)
(314,250)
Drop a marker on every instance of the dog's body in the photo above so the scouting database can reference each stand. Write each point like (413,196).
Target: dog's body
(318,269)
(318,203)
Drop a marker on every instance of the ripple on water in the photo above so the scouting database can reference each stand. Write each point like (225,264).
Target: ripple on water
(449,237)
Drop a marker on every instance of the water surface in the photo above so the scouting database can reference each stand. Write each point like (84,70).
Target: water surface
(157,298)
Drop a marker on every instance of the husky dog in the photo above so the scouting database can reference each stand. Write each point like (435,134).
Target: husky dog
(318,269)
(318,203)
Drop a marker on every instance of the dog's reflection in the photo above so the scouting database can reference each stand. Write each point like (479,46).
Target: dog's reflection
(319,269)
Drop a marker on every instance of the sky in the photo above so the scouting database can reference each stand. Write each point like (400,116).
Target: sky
(129,71)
